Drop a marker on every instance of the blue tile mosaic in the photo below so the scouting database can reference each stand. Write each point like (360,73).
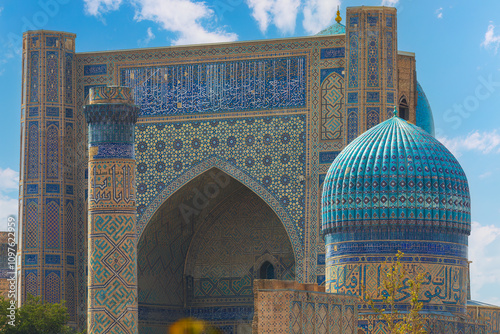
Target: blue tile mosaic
(99,69)
(262,84)
(332,53)
(327,157)
(52,259)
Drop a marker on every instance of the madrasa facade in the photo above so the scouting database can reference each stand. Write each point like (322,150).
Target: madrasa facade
(239,183)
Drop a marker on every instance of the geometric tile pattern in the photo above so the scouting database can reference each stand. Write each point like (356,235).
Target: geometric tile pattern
(52,150)
(353,59)
(332,101)
(372,117)
(52,83)
(70,295)
(52,228)
(112,234)
(285,309)
(372,65)
(270,149)
(433,323)
(32,284)
(52,286)
(489,314)
(68,84)
(70,226)
(33,156)
(352,124)
(31,225)
(389,56)
(34,76)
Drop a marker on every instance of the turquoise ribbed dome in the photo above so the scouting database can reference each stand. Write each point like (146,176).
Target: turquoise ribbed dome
(396,177)
(423,113)
(335,29)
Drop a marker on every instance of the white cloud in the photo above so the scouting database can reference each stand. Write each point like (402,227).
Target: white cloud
(389,3)
(483,142)
(318,14)
(490,39)
(9,180)
(8,207)
(150,36)
(187,18)
(439,13)
(281,13)
(484,252)
(9,183)
(485,175)
(99,7)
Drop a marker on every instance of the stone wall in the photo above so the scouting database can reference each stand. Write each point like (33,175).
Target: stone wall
(291,307)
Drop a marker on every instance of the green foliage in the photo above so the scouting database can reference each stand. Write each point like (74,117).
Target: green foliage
(399,323)
(34,317)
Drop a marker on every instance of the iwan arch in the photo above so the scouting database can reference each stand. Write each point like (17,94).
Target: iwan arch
(228,150)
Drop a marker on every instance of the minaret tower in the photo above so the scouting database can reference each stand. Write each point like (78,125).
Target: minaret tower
(372,68)
(112,236)
(47,242)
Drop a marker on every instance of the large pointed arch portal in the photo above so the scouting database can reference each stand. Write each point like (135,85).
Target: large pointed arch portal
(201,250)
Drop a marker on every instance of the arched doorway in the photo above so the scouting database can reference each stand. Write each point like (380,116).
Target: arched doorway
(201,251)
(404,108)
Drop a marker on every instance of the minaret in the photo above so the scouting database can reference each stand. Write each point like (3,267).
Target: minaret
(47,243)
(372,69)
(112,236)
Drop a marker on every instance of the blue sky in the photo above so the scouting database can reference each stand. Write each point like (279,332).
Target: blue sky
(456,44)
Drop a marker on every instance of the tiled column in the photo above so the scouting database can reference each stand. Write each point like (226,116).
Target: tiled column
(47,246)
(112,244)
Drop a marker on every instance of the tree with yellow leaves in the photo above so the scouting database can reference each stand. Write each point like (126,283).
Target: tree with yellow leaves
(397,322)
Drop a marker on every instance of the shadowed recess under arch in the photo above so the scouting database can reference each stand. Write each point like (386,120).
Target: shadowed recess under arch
(199,251)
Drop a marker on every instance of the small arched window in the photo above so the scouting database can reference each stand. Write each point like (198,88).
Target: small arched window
(404,109)
(266,271)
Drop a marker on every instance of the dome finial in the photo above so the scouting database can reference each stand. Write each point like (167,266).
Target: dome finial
(338,18)
(395,111)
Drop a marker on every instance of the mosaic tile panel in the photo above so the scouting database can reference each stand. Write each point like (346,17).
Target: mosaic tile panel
(34,56)
(69,237)
(52,234)
(52,84)
(390,57)
(33,156)
(353,59)
(52,151)
(352,124)
(52,286)
(31,282)
(332,103)
(372,117)
(31,234)
(275,83)
(68,78)
(165,151)
(372,59)
(70,295)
